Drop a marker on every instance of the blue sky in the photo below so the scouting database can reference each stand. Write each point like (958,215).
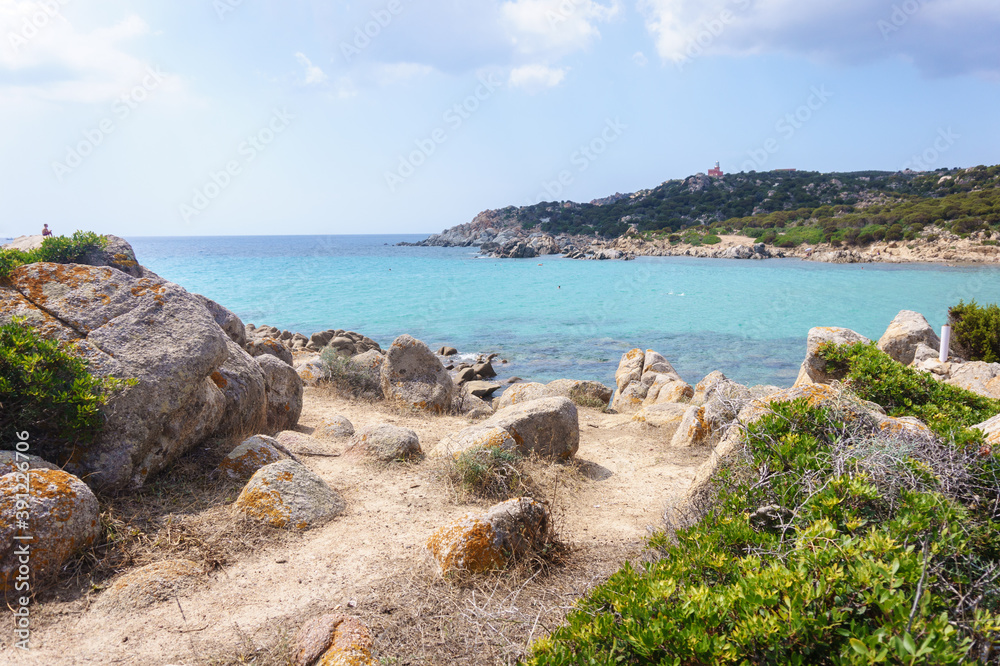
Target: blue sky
(410,116)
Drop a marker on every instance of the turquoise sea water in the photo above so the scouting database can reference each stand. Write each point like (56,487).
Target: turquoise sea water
(553,317)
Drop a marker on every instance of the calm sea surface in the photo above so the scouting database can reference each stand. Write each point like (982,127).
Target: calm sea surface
(553,317)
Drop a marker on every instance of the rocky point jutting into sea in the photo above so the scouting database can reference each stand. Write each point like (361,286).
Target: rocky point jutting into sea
(331,454)
(943,216)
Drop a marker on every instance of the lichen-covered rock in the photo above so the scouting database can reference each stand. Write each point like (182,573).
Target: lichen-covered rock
(370,363)
(387,443)
(647,378)
(227,320)
(55,508)
(990,428)
(481,389)
(333,640)
(475,543)
(907,330)
(313,371)
(668,415)
(521,393)
(584,393)
(287,495)
(148,585)
(693,430)
(142,328)
(241,380)
(117,253)
(467,404)
(813,370)
(413,377)
(924,353)
(548,427)
(335,427)
(284,390)
(704,388)
(252,454)
(479,436)
(976,376)
(11,462)
(261,346)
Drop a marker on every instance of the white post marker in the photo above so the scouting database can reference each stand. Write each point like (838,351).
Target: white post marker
(945,343)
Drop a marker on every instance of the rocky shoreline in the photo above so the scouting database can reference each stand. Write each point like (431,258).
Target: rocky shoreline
(933,246)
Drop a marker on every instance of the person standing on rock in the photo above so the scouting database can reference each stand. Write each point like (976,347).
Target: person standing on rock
(45,230)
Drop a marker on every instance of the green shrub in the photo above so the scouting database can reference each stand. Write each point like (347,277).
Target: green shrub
(55,249)
(346,376)
(824,541)
(711,239)
(45,389)
(490,472)
(903,391)
(975,331)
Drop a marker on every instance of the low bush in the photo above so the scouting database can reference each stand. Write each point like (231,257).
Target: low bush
(711,239)
(489,472)
(826,541)
(55,249)
(346,377)
(903,391)
(45,389)
(975,331)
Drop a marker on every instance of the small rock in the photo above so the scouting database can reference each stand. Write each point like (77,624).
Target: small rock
(148,585)
(252,454)
(475,543)
(522,393)
(333,640)
(336,427)
(287,495)
(447,351)
(387,443)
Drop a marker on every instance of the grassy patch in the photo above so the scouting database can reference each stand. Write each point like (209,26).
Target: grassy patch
(492,473)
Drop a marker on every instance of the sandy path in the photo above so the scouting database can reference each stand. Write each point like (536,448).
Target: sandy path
(602,506)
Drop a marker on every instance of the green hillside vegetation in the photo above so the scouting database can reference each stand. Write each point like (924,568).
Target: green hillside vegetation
(789,208)
(826,543)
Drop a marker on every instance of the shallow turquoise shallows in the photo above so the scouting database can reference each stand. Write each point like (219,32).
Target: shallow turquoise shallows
(553,317)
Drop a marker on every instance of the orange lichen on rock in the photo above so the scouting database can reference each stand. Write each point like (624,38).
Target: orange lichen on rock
(264,505)
(465,545)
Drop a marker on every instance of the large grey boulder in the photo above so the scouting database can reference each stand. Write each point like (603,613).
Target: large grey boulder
(63,519)
(413,377)
(548,427)
(117,253)
(907,331)
(241,380)
(141,328)
(647,378)
(284,391)
(226,319)
(285,494)
(813,370)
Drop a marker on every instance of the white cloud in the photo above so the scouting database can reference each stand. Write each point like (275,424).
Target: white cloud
(398,72)
(554,28)
(941,37)
(49,59)
(535,78)
(314,75)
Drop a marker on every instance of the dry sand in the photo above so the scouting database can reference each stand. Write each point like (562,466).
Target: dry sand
(371,562)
